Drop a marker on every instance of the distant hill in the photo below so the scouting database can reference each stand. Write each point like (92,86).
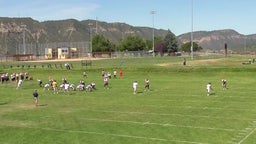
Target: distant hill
(71,30)
(215,40)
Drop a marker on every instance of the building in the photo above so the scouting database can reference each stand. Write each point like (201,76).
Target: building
(61,53)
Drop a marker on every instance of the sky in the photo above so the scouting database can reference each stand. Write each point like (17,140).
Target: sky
(179,16)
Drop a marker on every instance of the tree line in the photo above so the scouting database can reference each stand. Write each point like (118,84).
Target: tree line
(168,44)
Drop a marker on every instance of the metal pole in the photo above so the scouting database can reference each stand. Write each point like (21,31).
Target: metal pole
(122,31)
(245,44)
(6,49)
(153,32)
(90,35)
(96,26)
(191,49)
(24,38)
(91,39)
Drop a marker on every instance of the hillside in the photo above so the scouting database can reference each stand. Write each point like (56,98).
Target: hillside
(215,40)
(72,30)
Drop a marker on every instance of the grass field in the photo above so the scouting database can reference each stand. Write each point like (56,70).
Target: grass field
(176,110)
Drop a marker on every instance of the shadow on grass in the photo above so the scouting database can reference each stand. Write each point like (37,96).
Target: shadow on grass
(3,103)
(213,94)
(42,105)
(143,92)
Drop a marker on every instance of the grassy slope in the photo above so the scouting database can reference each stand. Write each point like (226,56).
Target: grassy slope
(176,110)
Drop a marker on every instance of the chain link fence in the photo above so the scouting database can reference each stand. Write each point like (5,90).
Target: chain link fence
(38,50)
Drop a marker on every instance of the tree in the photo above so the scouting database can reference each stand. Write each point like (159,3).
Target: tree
(148,45)
(157,41)
(101,44)
(170,42)
(187,47)
(160,46)
(132,43)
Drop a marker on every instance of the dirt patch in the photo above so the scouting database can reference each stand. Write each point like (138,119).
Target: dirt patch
(207,62)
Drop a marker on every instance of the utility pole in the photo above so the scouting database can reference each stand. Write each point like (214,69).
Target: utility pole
(153,31)
(191,49)
(96,26)
(24,38)
(122,31)
(90,36)
(245,44)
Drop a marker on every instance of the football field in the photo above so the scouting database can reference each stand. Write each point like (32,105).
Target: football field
(176,109)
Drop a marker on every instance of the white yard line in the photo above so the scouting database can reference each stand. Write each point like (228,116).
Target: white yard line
(120,135)
(192,107)
(167,114)
(196,101)
(247,136)
(159,124)
(189,107)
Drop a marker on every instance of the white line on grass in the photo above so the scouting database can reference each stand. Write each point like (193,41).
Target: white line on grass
(168,114)
(159,124)
(120,135)
(196,101)
(192,107)
(239,97)
(247,136)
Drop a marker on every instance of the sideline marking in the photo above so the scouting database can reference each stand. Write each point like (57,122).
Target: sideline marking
(192,107)
(167,114)
(212,108)
(247,136)
(120,135)
(159,124)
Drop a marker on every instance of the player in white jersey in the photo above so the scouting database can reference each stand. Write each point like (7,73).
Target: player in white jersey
(135,87)
(209,88)
(19,83)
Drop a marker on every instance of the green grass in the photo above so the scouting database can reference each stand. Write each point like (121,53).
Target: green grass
(175,110)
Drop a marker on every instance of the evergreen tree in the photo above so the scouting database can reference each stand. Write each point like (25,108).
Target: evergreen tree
(170,42)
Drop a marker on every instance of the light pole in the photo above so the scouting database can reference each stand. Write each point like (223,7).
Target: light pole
(5,40)
(153,32)
(245,44)
(122,31)
(90,36)
(191,49)
(24,38)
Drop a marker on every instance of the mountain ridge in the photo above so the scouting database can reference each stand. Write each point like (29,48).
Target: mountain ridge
(72,30)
